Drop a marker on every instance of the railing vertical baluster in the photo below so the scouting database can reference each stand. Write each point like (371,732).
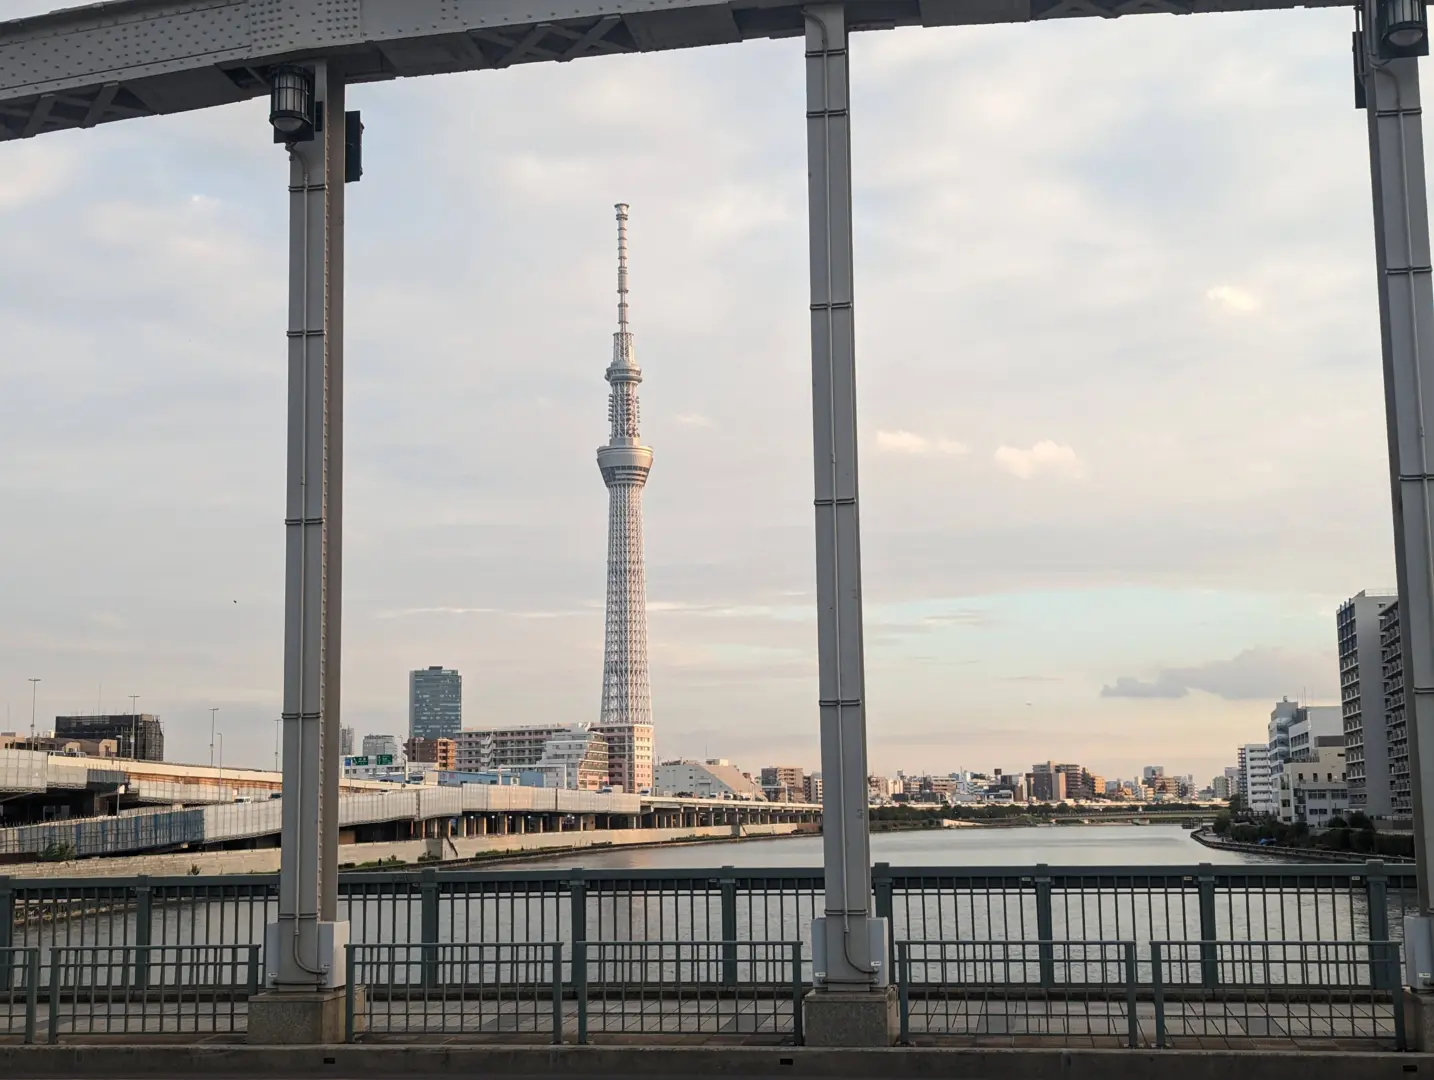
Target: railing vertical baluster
(1131,1004)
(428,926)
(143,930)
(1045,930)
(1157,991)
(903,989)
(56,972)
(349,993)
(32,992)
(557,981)
(7,930)
(799,1035)
(580,983)
(1209,957)
(1376,891)
(728,886)
(578,920)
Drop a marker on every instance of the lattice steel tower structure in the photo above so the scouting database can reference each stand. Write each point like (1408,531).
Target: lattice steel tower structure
(626,717)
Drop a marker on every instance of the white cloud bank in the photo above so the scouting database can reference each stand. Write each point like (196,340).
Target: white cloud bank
(908,442)
(1045,458)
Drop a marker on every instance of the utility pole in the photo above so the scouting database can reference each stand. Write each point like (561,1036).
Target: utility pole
(134,727)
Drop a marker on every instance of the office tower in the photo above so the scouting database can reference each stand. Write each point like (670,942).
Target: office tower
(435,703)
(346,741)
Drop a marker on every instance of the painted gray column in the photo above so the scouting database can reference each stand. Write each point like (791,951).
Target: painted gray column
(847,946)
(1406,316)
(305,947)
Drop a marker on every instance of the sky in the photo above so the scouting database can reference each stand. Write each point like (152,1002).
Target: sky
(1121,418)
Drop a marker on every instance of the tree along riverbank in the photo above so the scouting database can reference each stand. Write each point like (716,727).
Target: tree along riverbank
(1354,835)
(903,818)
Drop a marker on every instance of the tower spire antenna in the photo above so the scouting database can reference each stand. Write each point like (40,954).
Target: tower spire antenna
(621,267)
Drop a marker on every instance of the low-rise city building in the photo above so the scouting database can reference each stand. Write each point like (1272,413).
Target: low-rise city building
(716,778)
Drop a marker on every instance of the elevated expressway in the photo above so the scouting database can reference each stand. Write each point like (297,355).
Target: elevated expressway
(190,807)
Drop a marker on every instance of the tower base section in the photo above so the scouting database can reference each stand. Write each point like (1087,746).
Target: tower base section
(851,1017)
(301,1017)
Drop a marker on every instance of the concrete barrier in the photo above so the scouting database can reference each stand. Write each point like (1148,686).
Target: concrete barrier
(122,1062)
(266,860)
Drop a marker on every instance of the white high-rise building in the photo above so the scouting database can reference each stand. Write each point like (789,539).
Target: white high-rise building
(1255,785)
(1361,685)
(626,716)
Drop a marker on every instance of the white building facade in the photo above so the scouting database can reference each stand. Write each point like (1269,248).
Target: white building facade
(1313,789)
(1255,785)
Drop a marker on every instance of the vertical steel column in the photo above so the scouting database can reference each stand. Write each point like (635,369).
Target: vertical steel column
(306,947)
(848,945)
(1406,316)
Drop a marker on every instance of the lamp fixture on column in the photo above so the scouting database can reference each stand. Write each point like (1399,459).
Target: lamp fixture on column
(291,104)
(1403,28)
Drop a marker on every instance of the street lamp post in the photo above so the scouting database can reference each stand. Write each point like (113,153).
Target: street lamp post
(134,727)
(34,692)
(305,945)
(212,713)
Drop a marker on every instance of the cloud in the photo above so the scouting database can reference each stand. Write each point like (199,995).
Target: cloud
(1252,675)
(690,419)
(907,442)
(408,613)
(1045,457)
(1232,298)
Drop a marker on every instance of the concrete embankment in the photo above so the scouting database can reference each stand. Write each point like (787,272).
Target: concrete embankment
(429,852)
(1295,854)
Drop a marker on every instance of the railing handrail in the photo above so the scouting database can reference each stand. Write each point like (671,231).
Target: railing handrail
(773,943)
(1297,942)
(1224,874)
(1014,941)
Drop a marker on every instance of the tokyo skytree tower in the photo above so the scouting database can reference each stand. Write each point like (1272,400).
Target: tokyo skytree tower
(626,717)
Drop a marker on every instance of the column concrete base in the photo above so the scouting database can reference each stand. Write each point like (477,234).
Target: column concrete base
(302,1017)
(1419,1020)
(850,1017)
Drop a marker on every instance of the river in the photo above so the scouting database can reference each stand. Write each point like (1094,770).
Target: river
(1056,845)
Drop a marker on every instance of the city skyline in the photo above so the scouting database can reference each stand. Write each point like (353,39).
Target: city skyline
(1099,524)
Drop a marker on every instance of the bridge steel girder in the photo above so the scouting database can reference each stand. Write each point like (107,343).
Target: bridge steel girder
(129,58)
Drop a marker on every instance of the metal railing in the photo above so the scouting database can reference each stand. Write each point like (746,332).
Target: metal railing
(1213,993)
(744,989)
(1201,994)
(19,993)
(1084,990)
(1039,903)
(513,990)
(413,916)
(151,989)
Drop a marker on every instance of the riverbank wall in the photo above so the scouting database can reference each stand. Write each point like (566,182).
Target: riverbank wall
(432,852)
(1304,855)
